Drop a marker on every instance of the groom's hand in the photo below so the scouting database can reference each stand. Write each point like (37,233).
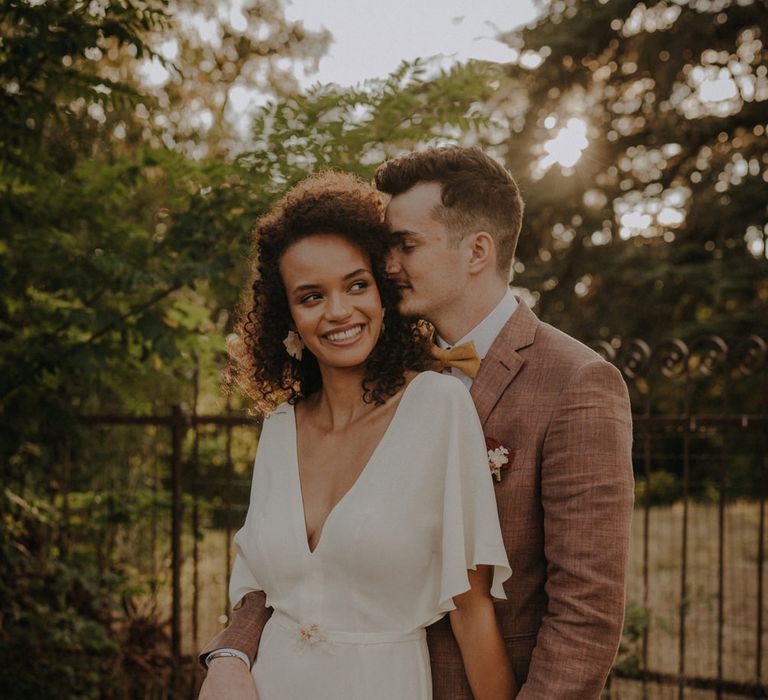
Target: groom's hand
(228,679)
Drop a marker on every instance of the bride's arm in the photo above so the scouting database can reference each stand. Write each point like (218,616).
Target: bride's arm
(228,679)
(477,632)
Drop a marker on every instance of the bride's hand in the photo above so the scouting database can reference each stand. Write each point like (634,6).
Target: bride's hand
(228,679)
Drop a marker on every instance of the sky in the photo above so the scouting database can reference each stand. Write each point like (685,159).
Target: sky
(372,37)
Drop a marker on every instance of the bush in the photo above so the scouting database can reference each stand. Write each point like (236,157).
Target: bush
(68,630)
(663,488)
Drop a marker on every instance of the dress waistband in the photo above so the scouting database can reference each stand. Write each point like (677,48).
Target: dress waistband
(311,633)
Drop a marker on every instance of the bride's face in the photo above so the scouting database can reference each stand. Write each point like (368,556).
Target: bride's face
(333,299)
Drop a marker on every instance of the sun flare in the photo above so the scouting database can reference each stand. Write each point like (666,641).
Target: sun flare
(565,147)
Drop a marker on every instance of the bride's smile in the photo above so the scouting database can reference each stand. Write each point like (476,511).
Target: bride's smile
(345,336)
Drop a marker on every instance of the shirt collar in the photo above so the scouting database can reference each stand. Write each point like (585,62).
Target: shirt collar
(485,332)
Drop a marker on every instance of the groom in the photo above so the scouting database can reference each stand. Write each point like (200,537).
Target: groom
(562,413)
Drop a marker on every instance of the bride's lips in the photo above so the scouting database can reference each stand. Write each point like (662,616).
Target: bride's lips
(346,335)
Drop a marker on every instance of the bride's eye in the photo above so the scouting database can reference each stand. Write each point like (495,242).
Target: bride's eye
(309,298)
(359,286)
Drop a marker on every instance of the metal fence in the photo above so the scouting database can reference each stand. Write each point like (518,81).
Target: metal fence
(696,616)
(698,565)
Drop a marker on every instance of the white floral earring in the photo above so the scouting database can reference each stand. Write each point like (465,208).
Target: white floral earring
(294,345)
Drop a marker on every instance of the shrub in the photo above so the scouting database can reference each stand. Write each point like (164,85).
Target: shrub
(662,488)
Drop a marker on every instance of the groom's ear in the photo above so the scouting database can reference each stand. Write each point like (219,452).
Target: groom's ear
(482,252)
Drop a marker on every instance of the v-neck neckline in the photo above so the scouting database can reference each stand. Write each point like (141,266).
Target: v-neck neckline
(297,471)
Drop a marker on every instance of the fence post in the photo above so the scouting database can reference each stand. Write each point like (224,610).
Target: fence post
(230,467)
(763,471)
(177,436)
(195,508)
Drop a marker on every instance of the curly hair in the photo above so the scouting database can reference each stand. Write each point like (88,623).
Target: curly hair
(478,194)
(328,203)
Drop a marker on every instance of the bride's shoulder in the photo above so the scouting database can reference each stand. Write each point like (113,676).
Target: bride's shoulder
(281,409)
(433,384)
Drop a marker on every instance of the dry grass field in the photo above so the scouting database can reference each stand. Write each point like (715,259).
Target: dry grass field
(665,554)
(740,586)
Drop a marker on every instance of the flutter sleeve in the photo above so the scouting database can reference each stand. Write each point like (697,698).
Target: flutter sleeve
(471,534)
(242,580)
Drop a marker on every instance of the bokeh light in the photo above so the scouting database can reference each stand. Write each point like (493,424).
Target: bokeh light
(565,148)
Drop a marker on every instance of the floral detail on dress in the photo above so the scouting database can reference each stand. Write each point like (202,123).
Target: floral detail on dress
(310,636)
(498,457)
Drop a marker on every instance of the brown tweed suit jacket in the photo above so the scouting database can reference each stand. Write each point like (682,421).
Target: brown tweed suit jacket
(565,505)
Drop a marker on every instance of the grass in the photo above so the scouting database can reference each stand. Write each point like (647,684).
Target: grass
(740,594)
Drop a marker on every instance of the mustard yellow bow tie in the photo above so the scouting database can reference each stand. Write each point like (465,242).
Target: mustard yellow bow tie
(463,357)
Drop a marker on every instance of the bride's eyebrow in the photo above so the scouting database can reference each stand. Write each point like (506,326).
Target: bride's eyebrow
(357,272)
(307,287)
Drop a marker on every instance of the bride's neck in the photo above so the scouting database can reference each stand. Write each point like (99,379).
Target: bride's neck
(339,403)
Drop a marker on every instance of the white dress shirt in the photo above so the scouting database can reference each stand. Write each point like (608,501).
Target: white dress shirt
(483,334)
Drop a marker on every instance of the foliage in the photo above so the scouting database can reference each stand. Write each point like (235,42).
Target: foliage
(223,53)
(55,613)
(94,302)
(356,129)
(629,657)
(48,69)
(666,202)
(662,488)
(106,263)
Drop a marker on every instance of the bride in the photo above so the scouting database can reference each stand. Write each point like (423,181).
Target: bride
(372,512)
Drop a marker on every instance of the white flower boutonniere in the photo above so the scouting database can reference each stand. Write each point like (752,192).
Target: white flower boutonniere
(498,457)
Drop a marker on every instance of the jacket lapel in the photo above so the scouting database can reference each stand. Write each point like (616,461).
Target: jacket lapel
(502,363)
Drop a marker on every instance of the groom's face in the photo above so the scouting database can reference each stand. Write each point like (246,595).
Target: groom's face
(428,267)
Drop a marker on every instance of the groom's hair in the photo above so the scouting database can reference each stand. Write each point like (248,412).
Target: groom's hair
(478,194)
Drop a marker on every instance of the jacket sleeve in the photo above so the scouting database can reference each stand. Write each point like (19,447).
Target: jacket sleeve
(587,495)
(244,630)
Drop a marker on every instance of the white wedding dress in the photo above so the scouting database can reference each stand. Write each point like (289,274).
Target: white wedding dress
(349,617)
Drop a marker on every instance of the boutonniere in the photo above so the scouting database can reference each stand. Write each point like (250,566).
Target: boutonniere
(498,456)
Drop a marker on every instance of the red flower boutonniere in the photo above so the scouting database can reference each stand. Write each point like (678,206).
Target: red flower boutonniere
(498,456)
